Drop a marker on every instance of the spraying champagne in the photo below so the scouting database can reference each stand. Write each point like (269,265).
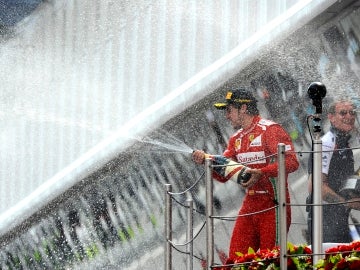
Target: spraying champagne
(229,169)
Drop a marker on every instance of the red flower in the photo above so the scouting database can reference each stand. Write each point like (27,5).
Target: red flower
(291,265)
(342,264)
(356,245)
(332,250)
(345,249)
(307,250)
(240,259)
(355,265)
(341,257)
(249,257)
(329,266)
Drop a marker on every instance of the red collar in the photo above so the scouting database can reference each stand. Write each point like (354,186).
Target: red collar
(255,120)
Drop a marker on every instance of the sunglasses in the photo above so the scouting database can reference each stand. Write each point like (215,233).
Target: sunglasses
(343,112)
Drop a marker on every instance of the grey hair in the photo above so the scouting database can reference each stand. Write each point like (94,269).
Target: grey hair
(332,106)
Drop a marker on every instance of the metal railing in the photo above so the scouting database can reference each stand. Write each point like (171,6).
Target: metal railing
(210,247)
(208,262)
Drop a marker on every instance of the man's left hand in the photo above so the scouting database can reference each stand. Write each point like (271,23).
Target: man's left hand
(255,176)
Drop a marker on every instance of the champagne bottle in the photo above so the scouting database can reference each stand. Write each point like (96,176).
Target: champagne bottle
(230,170)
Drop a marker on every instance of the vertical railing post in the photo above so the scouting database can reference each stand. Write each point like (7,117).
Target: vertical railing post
(189,232)
(209,214)
(282,205)
(168,227)
(317,225)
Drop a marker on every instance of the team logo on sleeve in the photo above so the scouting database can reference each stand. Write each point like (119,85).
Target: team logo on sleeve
(237,144)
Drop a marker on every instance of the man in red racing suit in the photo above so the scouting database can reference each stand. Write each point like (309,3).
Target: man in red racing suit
(255,144)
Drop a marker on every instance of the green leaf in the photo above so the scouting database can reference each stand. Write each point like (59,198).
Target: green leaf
(251,250)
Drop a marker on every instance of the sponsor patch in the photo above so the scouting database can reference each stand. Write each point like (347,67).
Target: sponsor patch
(237,144)
(251,157)
(255,141)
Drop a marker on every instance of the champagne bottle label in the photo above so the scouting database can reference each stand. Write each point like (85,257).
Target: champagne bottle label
(230,170)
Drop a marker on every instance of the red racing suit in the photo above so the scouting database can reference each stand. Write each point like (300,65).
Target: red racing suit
(256,147)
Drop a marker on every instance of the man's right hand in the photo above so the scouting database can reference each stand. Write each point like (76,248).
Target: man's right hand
(198,156)
(353,203)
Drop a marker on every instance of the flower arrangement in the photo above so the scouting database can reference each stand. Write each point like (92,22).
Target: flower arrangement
(346,257)
(269,259)
(341,257)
